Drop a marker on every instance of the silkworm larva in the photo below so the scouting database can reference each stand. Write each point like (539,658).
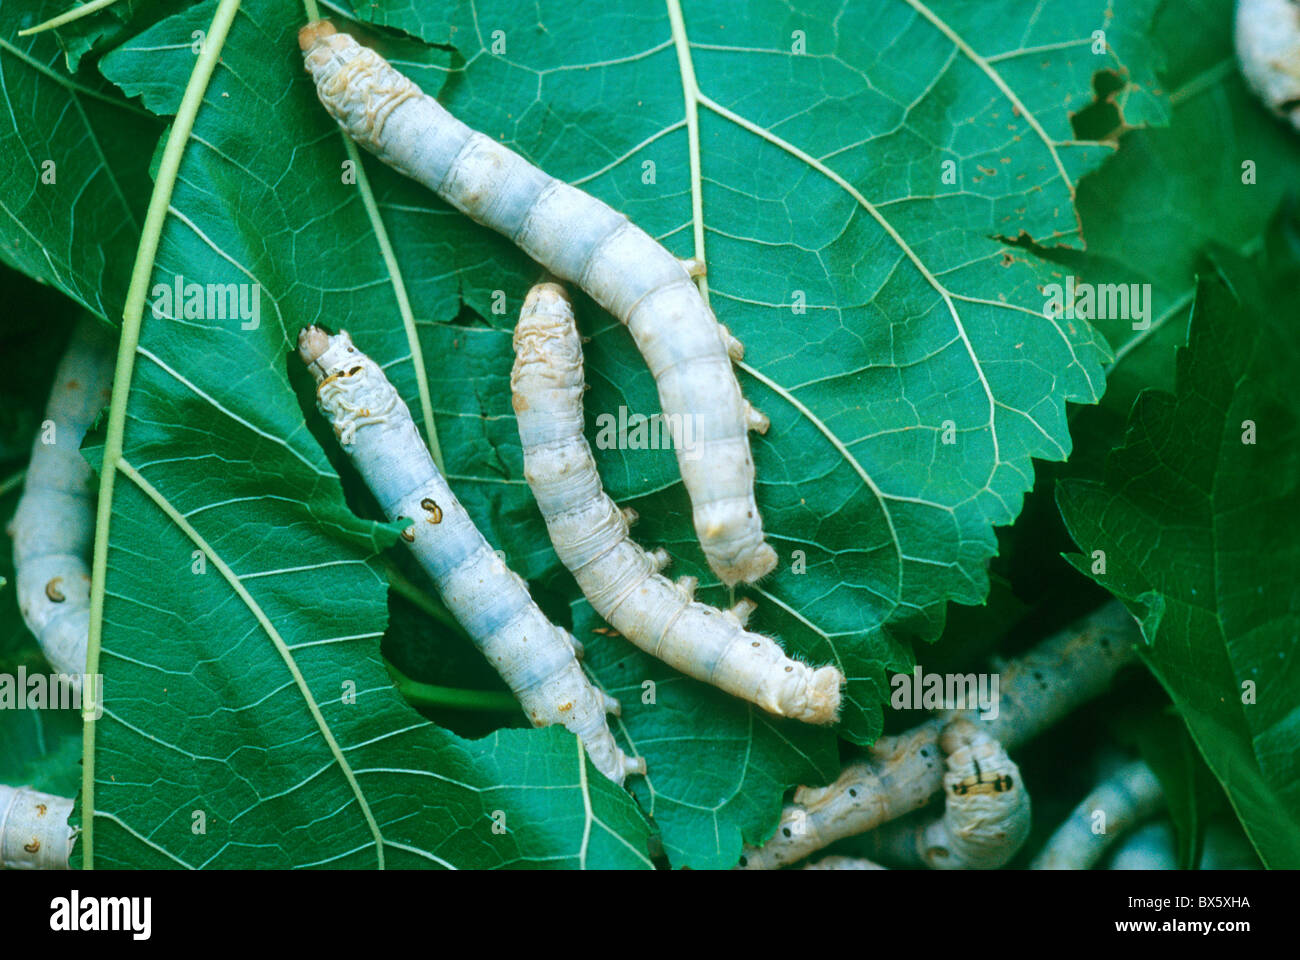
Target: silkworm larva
(844,863)
(1126,798)
(902,772)
(1149,847)
(1267,34)
(590,534)
(1154,846)
(534,656)
(34,830)
(584,241)
(986,808)
(54,527)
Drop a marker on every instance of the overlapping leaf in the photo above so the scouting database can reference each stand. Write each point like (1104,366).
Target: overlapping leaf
(1196,528)
(822,187)
(74,181)
(1215,174)
(244,690)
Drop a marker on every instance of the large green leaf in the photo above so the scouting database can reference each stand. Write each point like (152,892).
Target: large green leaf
(1168,192)
(250,686)
(1146,214)
(1198,525)
(74,176)
(822,182)
(796,155)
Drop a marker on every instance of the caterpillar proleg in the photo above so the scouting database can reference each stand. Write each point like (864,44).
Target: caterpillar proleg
(900,773)
(34,830)
(618,577)
(1132,794)
(584,241)
(986,809)
(53,528)
(535,657)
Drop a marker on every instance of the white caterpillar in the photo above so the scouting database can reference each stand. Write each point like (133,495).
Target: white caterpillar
(618,577)
(901,773)
(534,656)
(34,831)
(53,528)
(986,812)
(584,241)
(1118,803)
(844,863)
(1267,37)
(1149,847)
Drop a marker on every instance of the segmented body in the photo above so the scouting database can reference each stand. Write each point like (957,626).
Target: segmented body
(53,528)
(34,831)
(584,241)
(902,772)
(534,656)
(986,806)
(1129,796)
(618,577)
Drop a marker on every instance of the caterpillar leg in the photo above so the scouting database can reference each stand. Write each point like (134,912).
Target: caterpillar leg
(611,704)
(741,610)
(660,559)
(633,765)
(630,516)
(735,349)
(755,420)
(578,649)
(686,586)
(695,267)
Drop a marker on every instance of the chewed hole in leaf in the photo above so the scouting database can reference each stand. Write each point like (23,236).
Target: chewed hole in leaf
(1102,119)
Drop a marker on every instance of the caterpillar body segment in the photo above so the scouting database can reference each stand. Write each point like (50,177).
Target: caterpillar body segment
(986,809)
(619,578)
(53,528)
(836,862)
(535,657)
(583,241)
(900,773)
(1267,40)
(1132,794)
(34,830)
(986,815)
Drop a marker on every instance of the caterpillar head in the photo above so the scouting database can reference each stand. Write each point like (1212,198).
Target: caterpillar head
(315,31)
(546,328)
(548,350)
(323,352)
(987,810)
(358,87)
